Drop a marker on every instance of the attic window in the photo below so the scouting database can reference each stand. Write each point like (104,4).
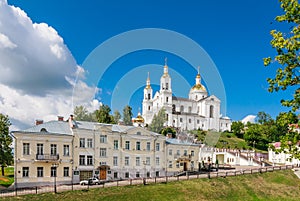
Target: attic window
(44,130)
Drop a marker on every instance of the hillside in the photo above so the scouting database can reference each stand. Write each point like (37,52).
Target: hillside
(278,185)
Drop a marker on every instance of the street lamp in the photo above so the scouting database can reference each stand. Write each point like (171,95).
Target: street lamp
(55,165)
(144,179)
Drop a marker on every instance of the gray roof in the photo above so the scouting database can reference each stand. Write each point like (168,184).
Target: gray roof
(180,142)
(57,127)
(63,127)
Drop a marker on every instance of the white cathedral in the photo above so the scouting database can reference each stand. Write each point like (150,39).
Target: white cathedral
(198,111)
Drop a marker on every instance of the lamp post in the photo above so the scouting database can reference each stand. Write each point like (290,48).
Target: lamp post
(55,165)
(144,179)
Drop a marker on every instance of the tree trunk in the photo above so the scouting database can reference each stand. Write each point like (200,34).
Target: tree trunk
(2,170)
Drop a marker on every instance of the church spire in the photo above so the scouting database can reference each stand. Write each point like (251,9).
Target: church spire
(198,77)
(148,86)
(166,67)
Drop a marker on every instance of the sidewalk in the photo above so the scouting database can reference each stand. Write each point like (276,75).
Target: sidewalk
(297,172)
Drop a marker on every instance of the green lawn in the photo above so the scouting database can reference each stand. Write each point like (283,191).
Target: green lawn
(278,185)
(8,177)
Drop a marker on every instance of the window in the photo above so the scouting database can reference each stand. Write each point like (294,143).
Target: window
(127,161)
(198,121)
(25,171)
(137,161)
(192,153)
(138,146)
(190,121)
(103,138)
(127,145)
(137,175)
(89,160)
(148,146)
(157,146)
(26,149)
(126,174)
(178,152)
(102,152)
(180,120)
(40,172)
(211,111)
(147,160)
(66,150)
(167,99)
(149,97)
(90,143)
(170,152)
(170,164)
(149,108)
(177,164)
(157,160)
(116,144)
(115,175)
(66,171)
(82,142)
(190,109)
(81,159)
(53,172)
(181,108)
(40,149)
(115,161)
(167,86)
(185,152)
(53,149)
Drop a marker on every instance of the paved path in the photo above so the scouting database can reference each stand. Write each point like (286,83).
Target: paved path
(297,172)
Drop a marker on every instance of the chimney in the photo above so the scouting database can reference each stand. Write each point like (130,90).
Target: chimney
(38,122)
(60,118)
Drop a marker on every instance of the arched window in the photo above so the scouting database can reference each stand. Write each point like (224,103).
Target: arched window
(167,99)
(181,108)
(211,111)
(190,109)
(196,97)
(167,86)
(149,107)
(149,97)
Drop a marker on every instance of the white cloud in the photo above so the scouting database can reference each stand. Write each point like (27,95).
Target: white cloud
(38,72)
(249,118)
(5,42)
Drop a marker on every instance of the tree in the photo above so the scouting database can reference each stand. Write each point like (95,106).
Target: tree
(103,115)
(264,118)
(167,130)
(117,116)
(287,46)
(237,128)
(6,156)
(158,121)
(127,115)
(82,114)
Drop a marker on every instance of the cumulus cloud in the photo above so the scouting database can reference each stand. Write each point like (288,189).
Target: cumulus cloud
(249,118)
(38,72)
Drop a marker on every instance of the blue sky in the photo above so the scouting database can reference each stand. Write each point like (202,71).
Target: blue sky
(234,33)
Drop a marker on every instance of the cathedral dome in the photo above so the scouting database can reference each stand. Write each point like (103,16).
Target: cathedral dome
(198,87)
(139,119)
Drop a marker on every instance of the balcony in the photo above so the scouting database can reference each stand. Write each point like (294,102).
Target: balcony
(47,157)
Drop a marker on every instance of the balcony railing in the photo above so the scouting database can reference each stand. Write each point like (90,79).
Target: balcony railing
(47,157)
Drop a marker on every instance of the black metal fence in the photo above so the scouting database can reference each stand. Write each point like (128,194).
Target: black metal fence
(142,181)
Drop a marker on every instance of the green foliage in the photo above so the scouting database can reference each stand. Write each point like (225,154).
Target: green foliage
(237,128)
(287,48)
(103,115)
(6,156)
(168,130)
(117,116)
(127,115)
(82,114)
(8,177)
(158,121)
(264,118)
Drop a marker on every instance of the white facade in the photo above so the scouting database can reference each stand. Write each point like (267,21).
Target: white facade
(198,111)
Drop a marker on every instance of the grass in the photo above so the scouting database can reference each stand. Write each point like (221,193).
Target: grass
(8,177)
(271,186)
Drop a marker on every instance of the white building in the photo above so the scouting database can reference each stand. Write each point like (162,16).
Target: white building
(199,110)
